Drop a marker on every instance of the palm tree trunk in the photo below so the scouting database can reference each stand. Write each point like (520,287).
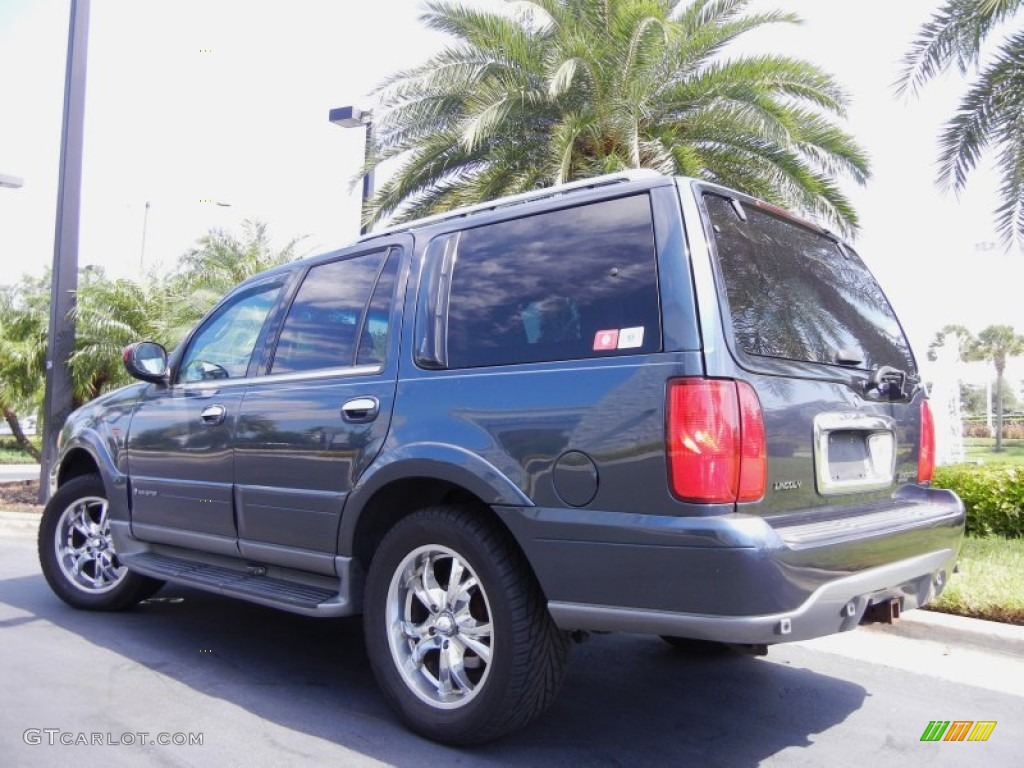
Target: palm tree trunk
(23,442)
(999,409)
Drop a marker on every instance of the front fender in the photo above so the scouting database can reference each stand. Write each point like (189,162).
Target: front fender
(96,434)
(433,461)
(91,443)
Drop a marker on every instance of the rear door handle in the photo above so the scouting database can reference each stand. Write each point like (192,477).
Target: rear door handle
(213,415)
(359,410)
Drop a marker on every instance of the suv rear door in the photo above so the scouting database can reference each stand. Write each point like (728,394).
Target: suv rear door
(317,417)
(805,323)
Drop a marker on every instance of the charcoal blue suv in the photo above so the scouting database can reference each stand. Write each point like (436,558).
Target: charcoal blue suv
(632,403)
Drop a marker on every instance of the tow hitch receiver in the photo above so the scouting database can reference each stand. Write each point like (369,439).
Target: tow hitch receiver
(886,612)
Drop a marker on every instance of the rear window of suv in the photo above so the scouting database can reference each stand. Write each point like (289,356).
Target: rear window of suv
(796,294)
(568,284)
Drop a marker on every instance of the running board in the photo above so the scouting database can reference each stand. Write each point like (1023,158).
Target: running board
(249,584)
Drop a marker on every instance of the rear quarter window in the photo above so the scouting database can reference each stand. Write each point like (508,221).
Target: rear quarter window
(574,283)
(796,294)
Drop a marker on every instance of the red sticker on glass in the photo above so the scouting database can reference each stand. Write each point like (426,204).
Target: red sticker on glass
(606,340)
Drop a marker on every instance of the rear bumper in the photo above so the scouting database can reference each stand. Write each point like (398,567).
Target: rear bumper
(835,607)
(735,578)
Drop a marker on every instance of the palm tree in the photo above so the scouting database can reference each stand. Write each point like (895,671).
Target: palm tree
(960,335)
(221,261)
(110,314)
(988,117)
(23,320)
(996,343)
(556,90)
(113,313)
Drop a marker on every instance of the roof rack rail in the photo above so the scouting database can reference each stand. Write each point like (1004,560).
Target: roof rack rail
(636,174)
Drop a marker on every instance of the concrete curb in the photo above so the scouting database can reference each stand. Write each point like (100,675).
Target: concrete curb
(16,473)
(18,523)
(959,630)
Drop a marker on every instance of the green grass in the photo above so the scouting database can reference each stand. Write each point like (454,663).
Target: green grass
(990,582)
(982,449)
(10,453)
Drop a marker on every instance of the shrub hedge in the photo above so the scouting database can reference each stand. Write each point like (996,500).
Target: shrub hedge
(1011,430)
(1008,420)
(994,497)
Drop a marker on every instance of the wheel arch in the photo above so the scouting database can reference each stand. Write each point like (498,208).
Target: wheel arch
(75,463)
(430,476)
(86,454)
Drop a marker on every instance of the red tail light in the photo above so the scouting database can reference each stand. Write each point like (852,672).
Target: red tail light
(716,441)
(926,452)
(754,451)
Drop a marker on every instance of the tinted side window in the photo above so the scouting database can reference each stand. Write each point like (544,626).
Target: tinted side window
(574,283)
(223,345)
(322,325)
(373,340)
(795,294)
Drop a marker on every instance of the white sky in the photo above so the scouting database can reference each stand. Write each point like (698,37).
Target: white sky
(247,124)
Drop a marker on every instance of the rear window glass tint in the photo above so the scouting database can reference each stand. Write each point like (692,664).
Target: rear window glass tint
(323,322)
(373,342)
(569,284)
(796,294)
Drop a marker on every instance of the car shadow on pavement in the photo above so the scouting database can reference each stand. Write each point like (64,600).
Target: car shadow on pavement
(628,700)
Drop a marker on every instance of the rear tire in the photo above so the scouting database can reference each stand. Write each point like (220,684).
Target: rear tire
(77,554)
(457,629)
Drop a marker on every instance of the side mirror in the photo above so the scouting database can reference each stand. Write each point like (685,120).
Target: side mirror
(147,361)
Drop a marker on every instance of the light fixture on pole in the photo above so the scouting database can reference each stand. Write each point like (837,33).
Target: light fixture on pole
(353,117)
(12,182)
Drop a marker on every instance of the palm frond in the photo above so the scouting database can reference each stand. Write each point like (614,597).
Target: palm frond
(952,37)
(1010,213)
(551,90)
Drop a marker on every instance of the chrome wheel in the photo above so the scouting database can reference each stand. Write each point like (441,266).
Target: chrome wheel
(439,627)
(84,549)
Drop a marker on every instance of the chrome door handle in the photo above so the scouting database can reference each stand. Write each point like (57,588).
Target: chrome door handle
(213,415)
(360,409)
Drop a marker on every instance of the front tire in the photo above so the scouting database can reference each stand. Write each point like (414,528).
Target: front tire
(457,630)
(77,554)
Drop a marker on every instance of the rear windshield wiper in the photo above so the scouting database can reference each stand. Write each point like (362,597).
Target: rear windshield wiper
(890,382)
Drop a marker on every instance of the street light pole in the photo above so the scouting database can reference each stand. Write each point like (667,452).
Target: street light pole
(353,117)
(368,176)
(58,397)
(142,251)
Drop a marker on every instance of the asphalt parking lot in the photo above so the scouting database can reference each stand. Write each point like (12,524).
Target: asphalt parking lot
(264,688)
